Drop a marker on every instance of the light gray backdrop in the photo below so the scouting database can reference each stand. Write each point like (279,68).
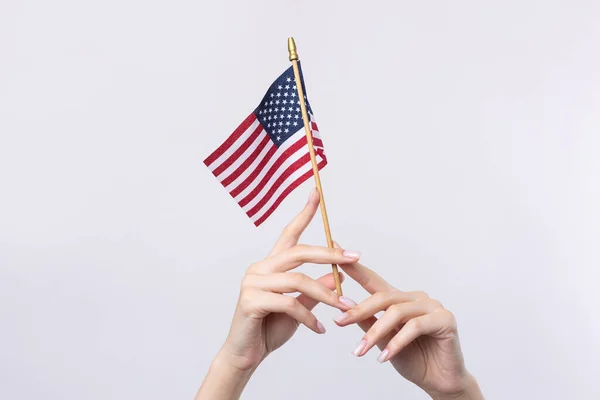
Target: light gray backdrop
(463,140)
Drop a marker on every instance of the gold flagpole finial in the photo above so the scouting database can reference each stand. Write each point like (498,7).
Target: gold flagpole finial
(292,49)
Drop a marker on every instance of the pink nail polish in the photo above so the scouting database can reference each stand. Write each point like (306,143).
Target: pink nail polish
(360,347)
(347,301)
(355,255)
(341,317)
(320,327)
(383,356)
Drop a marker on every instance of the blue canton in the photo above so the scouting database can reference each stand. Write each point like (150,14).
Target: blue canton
(279,111)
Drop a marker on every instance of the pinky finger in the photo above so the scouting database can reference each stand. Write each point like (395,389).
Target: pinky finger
(429,324)
(292,307)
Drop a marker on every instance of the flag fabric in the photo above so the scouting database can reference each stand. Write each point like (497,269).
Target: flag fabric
(267,156)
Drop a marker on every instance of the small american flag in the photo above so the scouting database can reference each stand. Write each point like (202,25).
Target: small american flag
(267,156)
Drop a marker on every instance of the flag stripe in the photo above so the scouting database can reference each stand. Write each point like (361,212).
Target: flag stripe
(262,146)
(304,177)
(295,166)
(282,158)
(240,150)
(231,149)
(261,165)
(230,140)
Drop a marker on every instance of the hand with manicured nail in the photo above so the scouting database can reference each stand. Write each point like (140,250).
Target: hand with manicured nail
(265,317)
(415,333)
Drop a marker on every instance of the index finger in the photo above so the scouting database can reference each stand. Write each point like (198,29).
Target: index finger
(292,232)
(300,254)
(365,277)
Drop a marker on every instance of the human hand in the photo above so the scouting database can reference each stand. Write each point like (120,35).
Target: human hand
(415,333)
(266,318)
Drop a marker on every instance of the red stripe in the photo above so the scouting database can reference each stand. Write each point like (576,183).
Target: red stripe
(286,192)
(230,140)
(295,166)
(250,178)
(314,126)
(317,142)
(240,150)
(284,156)
(235,174)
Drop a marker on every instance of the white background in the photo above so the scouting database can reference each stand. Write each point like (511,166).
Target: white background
(463,140)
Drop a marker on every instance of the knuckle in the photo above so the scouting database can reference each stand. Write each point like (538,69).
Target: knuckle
(380,296)
(252,268)
(297,278)
(414,325)
(290,303)
(246,283)
(435,305)
(395,309)
(450,319)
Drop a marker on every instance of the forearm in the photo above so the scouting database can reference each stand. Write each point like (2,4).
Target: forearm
(223,381)
(470,392)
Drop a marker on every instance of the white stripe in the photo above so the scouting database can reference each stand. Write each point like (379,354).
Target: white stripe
(244,156)
(273,178)
(290,180)
(242,177)
(286,145)
(215,164)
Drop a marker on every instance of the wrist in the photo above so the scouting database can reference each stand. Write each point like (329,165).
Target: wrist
(224,380)
(470,391)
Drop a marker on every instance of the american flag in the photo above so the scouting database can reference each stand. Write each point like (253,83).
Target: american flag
(267,156)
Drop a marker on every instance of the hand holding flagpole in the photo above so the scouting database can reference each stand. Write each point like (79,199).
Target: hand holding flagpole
(313,160)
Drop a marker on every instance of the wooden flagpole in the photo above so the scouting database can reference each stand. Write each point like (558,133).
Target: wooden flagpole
(313,159)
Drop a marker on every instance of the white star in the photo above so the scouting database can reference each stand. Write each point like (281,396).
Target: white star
(296,116)
(286,130)
(278,138)
(294,87)
(286,94)
(284,101)
(277,102)
(289,116)
(268,125)
(276,109)
(295,123)
(298,102)
(287,86)
(271,103)
(269,118)
(298,108)
(293,94)
(270,110)
(288,123)
(280,123)
(278,94)
(290,109)
(279,130)
(288,79)
(279,87)
(266,103)
(272,94)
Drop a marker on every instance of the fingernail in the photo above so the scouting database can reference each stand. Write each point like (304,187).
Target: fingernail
(360,347)
(383,356)
(320,327)
(355,255)
(341,317)
(347,301)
